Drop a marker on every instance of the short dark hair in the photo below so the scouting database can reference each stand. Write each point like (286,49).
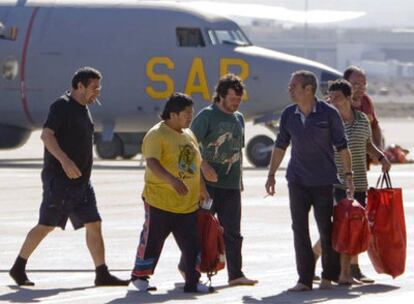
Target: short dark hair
(84,76)
(176,104)
(352,69)
(341,85)
(307,78)
(228,81)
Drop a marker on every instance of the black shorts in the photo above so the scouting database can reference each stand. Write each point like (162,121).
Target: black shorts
(62,201)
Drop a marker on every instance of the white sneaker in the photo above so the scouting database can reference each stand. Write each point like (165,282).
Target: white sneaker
(203,288)
(143,285)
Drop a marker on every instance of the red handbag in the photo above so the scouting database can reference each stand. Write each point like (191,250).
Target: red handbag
(350,234)
(388,244)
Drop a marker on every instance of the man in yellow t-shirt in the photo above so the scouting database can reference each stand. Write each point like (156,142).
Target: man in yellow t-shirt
(173,189)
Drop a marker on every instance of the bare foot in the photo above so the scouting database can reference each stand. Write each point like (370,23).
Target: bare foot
(299,287)
(243,281)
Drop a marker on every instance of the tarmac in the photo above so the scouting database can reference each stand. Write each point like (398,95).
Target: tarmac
(63,271)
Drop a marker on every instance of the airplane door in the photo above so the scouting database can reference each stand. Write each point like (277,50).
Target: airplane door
(15,29)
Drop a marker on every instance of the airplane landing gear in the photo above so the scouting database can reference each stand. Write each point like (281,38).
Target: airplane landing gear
(108,149)
(259,150)
(125,145)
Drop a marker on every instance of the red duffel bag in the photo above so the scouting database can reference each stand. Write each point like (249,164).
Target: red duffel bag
(388,244)
(212,243)
(350,234)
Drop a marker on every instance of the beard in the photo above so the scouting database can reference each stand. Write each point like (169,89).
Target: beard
(230,108)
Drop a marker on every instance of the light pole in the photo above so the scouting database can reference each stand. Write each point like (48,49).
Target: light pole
(306,30)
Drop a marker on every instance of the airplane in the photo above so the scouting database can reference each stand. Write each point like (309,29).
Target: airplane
(145,51)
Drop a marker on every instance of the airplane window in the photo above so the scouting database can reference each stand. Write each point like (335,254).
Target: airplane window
(190,37)
(235,37)
(212,37)
(223,36)
(243,37)
(10,68)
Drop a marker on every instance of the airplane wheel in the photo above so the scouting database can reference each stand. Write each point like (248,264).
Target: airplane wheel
(254,150)
(109,149)
(129,155)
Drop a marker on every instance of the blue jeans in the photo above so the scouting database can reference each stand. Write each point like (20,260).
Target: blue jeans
(302,198)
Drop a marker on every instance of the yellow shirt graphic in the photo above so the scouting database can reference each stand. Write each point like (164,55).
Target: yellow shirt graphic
(178,153)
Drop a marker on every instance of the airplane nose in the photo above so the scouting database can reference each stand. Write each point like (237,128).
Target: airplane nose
(325,79)
(269,77)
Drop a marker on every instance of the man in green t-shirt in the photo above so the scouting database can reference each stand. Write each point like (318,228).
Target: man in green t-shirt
(219,129)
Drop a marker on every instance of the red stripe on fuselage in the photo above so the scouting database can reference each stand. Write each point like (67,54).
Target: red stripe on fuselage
(23,91)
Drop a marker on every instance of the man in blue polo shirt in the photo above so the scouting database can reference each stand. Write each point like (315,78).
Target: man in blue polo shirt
(313,128)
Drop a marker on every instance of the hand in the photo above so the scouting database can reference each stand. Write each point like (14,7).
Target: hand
(350,186)
(208,172)
(72,171)
(204,195)
(386,165)
(270,185)
(179,186)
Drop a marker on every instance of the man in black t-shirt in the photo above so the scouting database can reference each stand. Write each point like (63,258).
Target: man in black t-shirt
(67,191)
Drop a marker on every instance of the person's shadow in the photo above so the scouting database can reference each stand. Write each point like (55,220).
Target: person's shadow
(177,294)
(29,295)
(317,295)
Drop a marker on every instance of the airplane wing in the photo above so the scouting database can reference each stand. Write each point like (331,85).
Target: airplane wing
(277,13)
(226,9)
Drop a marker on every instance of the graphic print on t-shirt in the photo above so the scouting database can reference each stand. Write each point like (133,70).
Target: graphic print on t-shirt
(225,148)
(231,160)
(186,164)
(220,141)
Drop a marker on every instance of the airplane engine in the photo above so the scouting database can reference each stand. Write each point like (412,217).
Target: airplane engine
(259,150)
(13,137)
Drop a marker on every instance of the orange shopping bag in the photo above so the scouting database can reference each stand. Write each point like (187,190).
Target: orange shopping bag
(388,244)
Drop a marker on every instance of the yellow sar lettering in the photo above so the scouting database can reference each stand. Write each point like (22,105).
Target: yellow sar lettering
(196,82)
(197,72)
(169,83)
